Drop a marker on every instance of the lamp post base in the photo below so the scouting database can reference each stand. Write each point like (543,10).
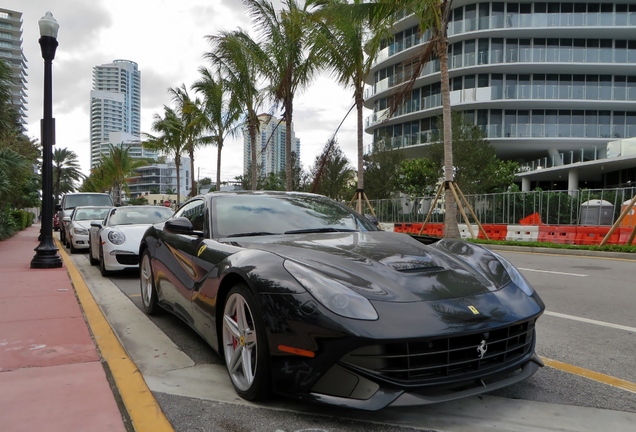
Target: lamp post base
(46,255)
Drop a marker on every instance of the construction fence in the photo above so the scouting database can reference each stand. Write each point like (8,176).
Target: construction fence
(587,207)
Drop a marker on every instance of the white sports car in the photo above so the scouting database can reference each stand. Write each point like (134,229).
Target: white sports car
(114,242)
(79,224)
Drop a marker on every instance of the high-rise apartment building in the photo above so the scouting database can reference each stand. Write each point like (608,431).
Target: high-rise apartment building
(11,52)
(270,145)
(115,109)
(549,83)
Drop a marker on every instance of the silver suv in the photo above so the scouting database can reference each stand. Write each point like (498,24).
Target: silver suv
(72,200)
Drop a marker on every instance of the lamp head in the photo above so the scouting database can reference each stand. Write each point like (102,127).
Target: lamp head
(48,25)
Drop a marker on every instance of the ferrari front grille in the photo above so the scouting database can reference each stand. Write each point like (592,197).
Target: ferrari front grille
(435,360)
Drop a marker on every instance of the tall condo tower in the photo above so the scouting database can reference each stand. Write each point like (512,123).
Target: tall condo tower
(115,109)
(270,145)
(11,52)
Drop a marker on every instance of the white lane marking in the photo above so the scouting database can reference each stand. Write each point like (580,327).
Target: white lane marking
(553,272)
(591,321)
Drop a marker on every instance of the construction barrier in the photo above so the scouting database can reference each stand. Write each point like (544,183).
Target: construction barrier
(494,231)
(593,235)
(562,234)
(624,234)
(465,233)
(434,229)
(522,233)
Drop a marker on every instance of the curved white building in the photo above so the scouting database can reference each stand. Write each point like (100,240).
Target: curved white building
(11,52)
(549,83)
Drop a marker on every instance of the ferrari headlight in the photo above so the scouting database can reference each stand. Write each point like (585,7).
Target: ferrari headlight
(332,294)
(116,237)
(80,231)
(516,276)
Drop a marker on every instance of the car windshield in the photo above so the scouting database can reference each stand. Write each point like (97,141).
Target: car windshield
(73,201)
(90,213)
(244,215)
(139,215)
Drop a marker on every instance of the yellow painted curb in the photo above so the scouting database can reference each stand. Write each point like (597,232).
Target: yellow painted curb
(595,376)
(145,413)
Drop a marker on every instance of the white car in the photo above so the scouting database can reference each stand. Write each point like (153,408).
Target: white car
(114,242)
(79,223)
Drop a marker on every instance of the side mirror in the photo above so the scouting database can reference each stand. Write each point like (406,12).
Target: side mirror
(181,225)
(66,218)
(96,224)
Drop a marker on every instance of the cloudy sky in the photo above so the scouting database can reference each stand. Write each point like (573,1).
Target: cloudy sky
(166,38)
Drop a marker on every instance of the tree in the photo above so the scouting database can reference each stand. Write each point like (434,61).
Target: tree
(348,48)
(286,57)
(337,177)
(9,120)
(382,169)
(232,57)
(477,168)
(419,177)
(170,140)
(219,112)
(66,171)
(117,167)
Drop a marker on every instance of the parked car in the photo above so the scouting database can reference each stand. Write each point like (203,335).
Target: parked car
(79,224)
(56,222)
(72,200)
(304,297)
(114,242)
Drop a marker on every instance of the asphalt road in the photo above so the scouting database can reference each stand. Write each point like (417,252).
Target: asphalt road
(589,324)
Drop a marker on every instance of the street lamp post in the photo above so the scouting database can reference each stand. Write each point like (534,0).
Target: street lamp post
(46,253)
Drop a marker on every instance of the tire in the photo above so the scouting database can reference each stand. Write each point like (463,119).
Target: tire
(73,249)
(147,285)
(102,267)
(250,374)
(92,260)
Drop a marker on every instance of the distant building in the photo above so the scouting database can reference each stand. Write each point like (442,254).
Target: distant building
(270,145)
(11,52)
(115,109)
(158,178)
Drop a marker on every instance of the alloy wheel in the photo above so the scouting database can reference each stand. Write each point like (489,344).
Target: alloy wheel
(239,340)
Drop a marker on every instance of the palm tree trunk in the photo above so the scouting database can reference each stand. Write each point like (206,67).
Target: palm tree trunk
(219,147)
(451,229)
(192,179)
(359,108)
(289,106)
(252,128)
(177,161)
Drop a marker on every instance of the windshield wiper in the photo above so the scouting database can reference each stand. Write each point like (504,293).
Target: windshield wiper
(319,230)
(250,234)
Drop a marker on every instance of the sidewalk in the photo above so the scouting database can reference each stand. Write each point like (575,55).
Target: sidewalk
(51,375)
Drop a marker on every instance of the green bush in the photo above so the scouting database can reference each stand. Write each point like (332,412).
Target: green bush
(7,224)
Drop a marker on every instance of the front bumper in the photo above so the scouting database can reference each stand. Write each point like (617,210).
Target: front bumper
(120,259)
(382,397)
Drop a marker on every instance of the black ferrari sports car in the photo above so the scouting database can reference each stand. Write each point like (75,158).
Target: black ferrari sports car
(304,297)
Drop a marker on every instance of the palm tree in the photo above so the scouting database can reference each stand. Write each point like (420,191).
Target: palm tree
(170,140)
(219,112)
(231,56)
(117,167)
(193,124)
(350,47)
(9,122)
(287,58)
(66,171)
(433,16)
